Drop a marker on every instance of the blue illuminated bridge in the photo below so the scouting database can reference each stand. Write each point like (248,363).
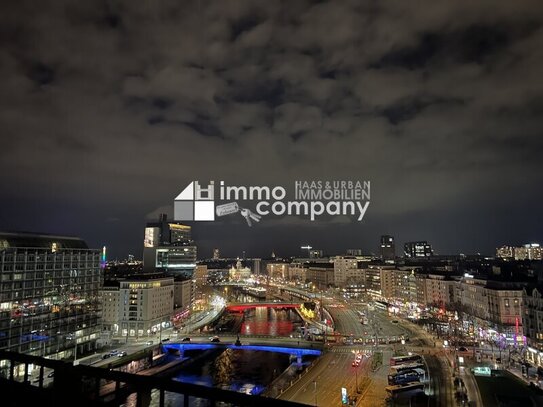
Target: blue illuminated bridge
(298,351)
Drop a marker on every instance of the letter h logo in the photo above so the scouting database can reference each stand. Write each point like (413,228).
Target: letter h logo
(195,203)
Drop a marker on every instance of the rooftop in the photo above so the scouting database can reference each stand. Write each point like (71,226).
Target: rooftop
(40,240)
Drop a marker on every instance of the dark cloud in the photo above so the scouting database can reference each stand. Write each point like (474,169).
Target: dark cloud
(110,108)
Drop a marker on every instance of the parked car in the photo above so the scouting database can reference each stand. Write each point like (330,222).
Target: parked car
(149,342)
(121,354)
(214,339)
(186,339)
(106,356)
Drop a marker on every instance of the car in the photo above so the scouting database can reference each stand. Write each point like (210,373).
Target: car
(165,339)
(462,349)
(186,339)
(121,354)
(394,321)
(214,339)
(51,374)
(113,352)
(149,342)
(106,356)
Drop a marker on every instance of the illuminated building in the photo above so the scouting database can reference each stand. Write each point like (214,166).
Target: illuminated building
(379,281)
(256,266)
(531,251)
(216,254)
(341,265)
(496,305)
(505,252)
(321,274)
(387,248)
(315,254)
(239,272)
(49,299)
(139,306)
(297,270)
(438,290)
(277,270)
(184,291)
(168,248)
(418,249)
(532,323)
(200,274)
(103,260)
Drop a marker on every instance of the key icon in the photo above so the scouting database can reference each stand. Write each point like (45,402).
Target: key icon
(248,215)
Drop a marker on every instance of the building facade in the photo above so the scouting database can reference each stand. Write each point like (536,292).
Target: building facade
(168,247)
(341,266)
(138,307)
(183,294)
(321,274)
(49,294)
(387,248)
(532,323)
(531,251)
(418,249)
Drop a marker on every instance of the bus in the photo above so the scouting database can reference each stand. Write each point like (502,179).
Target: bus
(382,305)
(401,360)
(405,368)
(401,378)
(398,388)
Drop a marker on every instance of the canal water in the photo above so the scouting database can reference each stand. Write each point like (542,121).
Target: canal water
(247,371)
(268,321)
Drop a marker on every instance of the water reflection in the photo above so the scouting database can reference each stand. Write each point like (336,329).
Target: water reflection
(268,321)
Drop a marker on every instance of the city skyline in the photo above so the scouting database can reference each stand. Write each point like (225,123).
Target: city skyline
(114,109)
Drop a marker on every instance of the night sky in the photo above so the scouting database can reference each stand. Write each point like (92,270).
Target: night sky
(109,108)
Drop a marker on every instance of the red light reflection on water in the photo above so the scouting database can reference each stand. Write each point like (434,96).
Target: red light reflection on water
(266,321)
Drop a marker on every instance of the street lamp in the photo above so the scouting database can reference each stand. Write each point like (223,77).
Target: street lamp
(356,377)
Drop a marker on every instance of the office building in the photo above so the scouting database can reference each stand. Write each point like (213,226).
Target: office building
(169,248)
(183,294)
(531,251)
(341,265)
(216,254)
(138,306)
(297,271)
(316,254)
(320,274)
(277,270)
(418,249)
(256,266)
(387,248)
(200,274)
(49,294)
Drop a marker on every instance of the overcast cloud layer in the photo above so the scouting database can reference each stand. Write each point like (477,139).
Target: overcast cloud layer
(109,108)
